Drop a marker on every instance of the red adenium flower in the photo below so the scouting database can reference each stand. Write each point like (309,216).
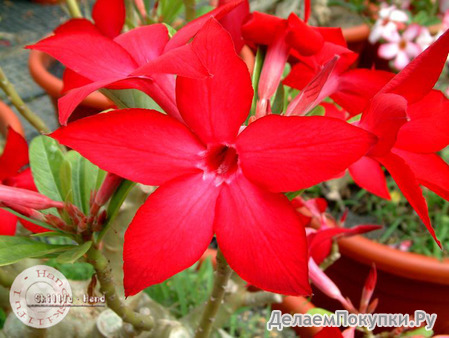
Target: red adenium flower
(12,174)
(408,95)
(214,180)
(280,36)
(142,58)
(350,88)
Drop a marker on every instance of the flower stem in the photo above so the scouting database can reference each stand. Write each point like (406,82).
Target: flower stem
(74,9)
(23,109)
(222,276)
(103,270)
(190,10)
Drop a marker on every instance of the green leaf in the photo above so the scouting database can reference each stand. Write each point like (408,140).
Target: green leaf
(42,224)
(319,311)
(317,111)
(278,101)
(171,31)
(86,177)
(16,248)
(46,158)
(72,255)
(131,98)
(258,63)
(65,178)
(114,205)
(291,195)
(421,332)
(170,9)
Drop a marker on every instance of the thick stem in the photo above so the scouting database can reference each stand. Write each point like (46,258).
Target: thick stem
(190,10)
(23,109)
(222,276)
(103,270)
(74,9)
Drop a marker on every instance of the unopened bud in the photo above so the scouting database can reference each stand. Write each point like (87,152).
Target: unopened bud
(27,198)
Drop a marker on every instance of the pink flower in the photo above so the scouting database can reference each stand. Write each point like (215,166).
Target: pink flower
(215,180)
(387,24)
(401,48)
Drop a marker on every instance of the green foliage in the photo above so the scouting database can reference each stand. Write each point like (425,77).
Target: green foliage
(66,177)
(2,318)
(169,10)
(72,255)
(131,98)
(75,271)
(16,248)
(186,290)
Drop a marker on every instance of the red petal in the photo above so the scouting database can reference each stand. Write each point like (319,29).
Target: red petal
(144,43)
(138,144)
(73,80)
(8,223)
(357,86)
(430,170)
(426,132)
(262,28)
(182,61)
(14,156)
(367,174)
(109,16)
(23,180)
(216,107)
(272,251)
(76,50)
(288,153)
(310,96)
(304,39)
(409,186)
(307,10)
(76,26)
(420,75)
(170,232)
(233,21)
(333,35)
(329,332)
(34,228)
(385,115)
(193,27)
(68,103)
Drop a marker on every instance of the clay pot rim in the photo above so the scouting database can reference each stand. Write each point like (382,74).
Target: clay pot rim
(9,118)
(357,33)
(38,63)
(405,264)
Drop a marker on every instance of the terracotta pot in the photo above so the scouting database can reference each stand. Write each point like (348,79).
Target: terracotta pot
(39,64)
(9,118)
(357,37)
(290,304)
(406,281)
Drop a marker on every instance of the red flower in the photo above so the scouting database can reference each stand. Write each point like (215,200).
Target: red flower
(410,162)
(214,180)
(12,174)
(141,59)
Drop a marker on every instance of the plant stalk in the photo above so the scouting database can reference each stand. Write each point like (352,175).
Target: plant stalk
(103,270)
(222,276)
(190,10)
(74,9)
(23,109)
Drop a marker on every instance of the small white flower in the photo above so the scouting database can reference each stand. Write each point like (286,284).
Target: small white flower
(387,23)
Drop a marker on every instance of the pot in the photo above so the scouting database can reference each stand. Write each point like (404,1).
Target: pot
(39,63)
(406,281)
(9,118)
(356,37)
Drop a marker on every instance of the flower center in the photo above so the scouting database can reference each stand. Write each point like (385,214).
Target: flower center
(403,44)
(221,160)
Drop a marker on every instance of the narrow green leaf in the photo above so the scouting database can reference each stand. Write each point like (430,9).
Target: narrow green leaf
(278,102)
(16,248)
(42,224)
(46,158)
(114,205)
(131,98)
(65,177)
(72,255)
(258,63)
